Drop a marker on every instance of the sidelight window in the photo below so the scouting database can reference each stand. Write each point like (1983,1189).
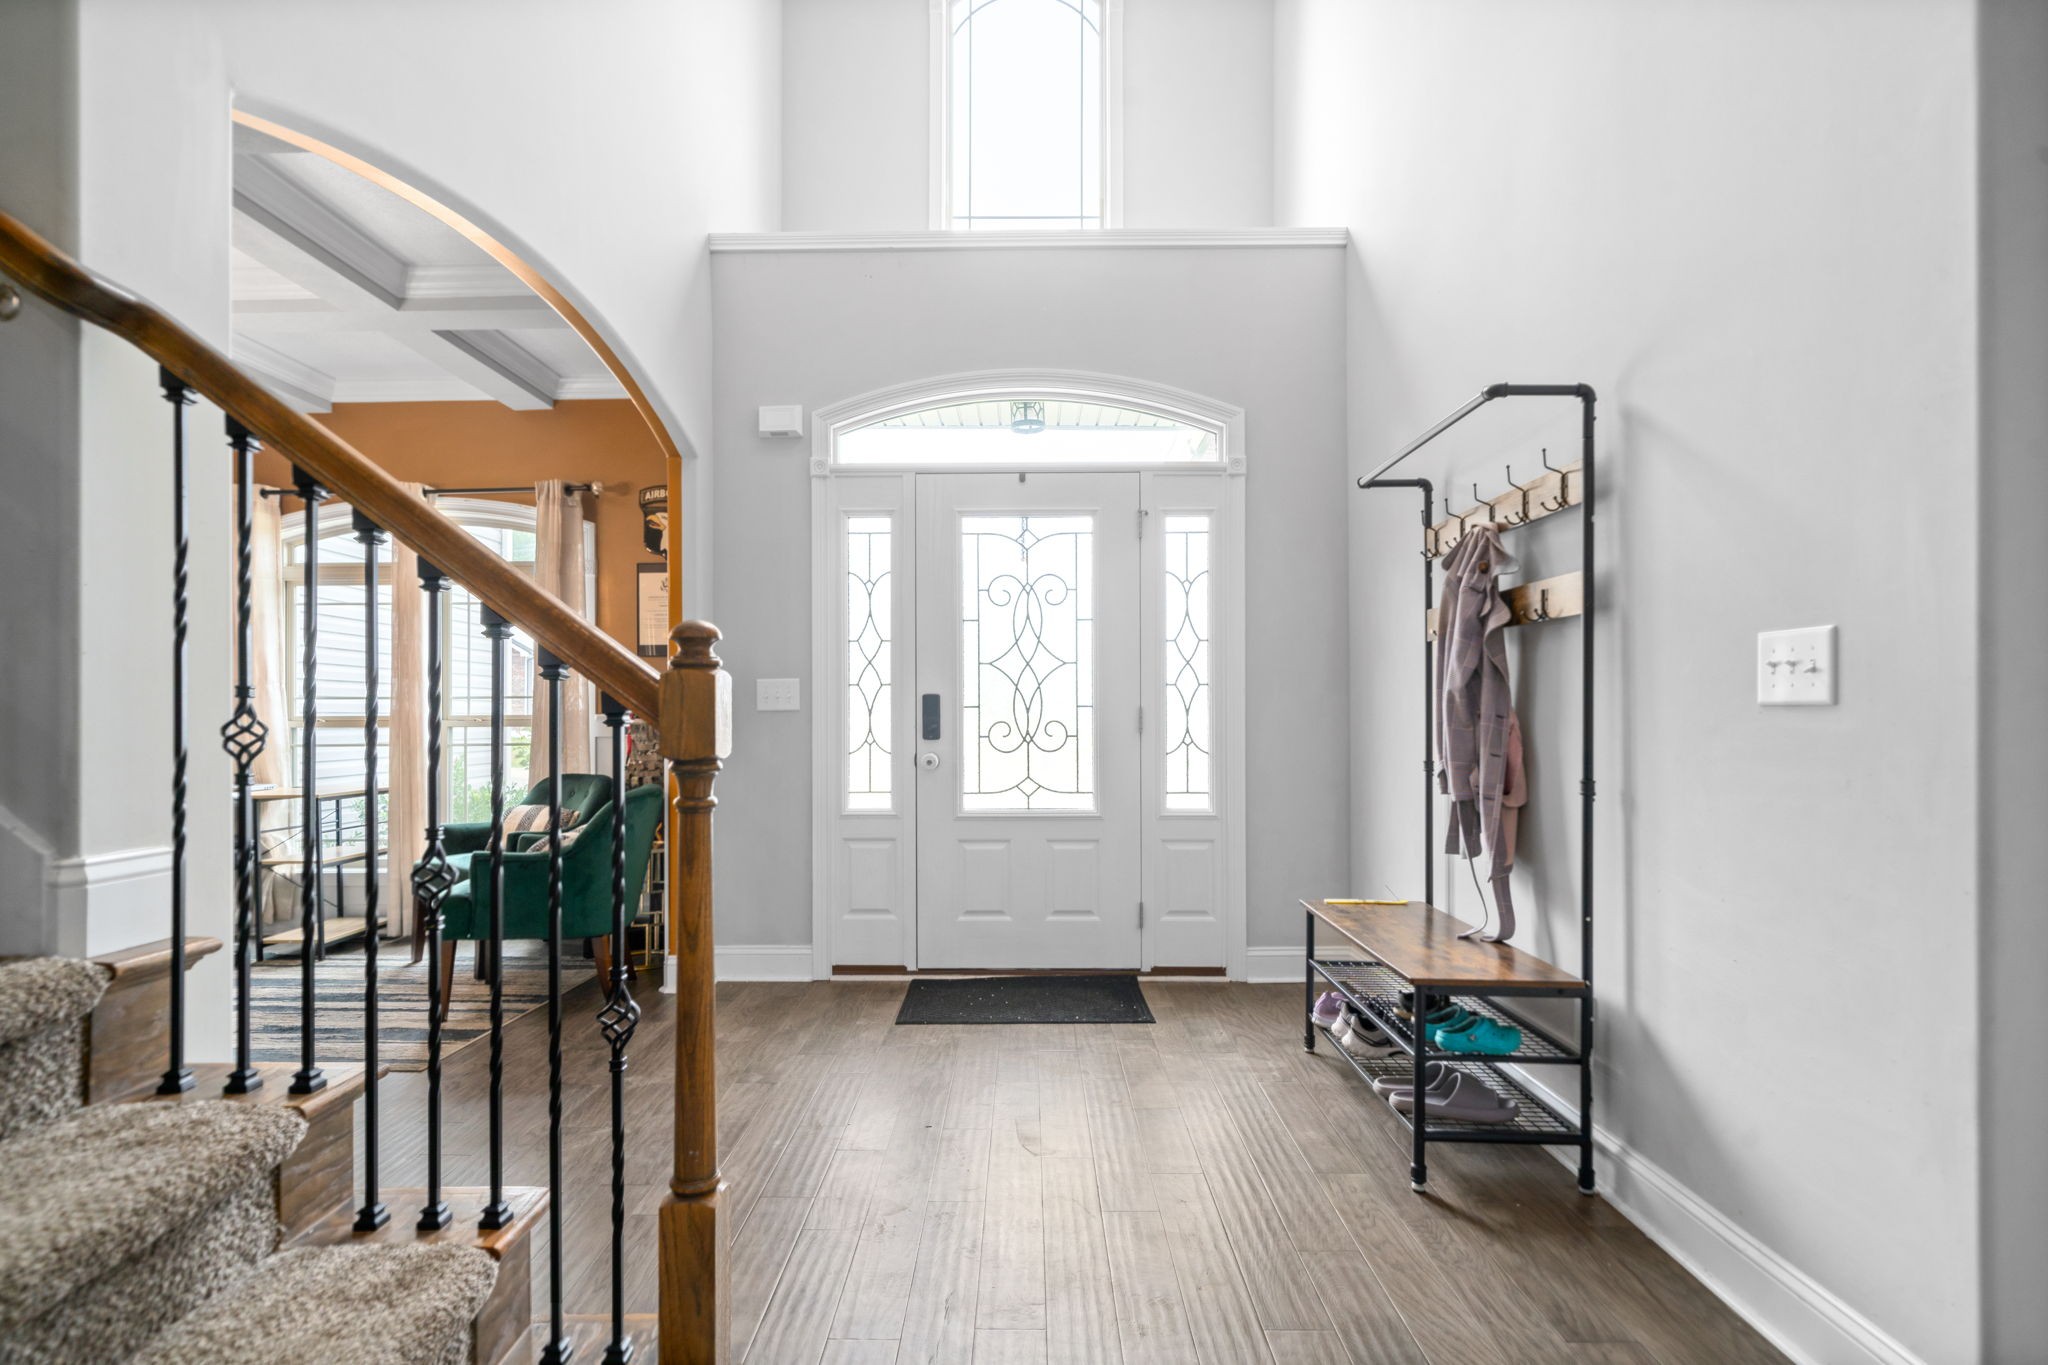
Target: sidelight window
(870,693)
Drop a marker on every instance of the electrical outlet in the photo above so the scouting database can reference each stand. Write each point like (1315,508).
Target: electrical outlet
(1796,667)
(776,694)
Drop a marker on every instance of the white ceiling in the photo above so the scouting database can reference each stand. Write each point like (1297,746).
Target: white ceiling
(345,293)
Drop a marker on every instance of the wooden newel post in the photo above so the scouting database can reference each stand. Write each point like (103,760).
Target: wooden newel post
(696,735)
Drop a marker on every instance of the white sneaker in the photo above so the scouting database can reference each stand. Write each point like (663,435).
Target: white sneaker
(1362,1038)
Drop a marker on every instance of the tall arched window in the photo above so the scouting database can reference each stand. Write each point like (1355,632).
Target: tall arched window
(1027,98)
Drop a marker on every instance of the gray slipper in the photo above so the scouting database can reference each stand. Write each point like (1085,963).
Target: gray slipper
(1469,1100)
(1436,1077)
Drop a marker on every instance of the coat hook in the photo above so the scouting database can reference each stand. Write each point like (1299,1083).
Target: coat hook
(1541,611)
(1429,549)
(1564,485)
(1522,520)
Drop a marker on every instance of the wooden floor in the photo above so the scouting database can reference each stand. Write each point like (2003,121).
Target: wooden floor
(1196,1190)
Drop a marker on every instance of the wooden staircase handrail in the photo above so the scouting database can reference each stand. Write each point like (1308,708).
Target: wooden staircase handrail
(53,276)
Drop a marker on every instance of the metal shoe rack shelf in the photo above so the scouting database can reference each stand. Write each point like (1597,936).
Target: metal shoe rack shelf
(1388,949)
(1413,945)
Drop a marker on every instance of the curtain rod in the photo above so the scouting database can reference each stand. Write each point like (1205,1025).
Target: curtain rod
(456,492)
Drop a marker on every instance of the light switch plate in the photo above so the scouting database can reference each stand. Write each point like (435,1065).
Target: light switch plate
(1796,667)
(777,694)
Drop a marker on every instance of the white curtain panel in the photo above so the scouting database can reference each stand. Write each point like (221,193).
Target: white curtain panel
(558,567)
(266,630)
(406,766)
(267,663)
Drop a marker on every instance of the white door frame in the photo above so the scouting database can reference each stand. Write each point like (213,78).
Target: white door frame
(1192,864)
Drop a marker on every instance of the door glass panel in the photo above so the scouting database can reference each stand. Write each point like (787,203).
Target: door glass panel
(869,694)
(1186,737)
(1027,635)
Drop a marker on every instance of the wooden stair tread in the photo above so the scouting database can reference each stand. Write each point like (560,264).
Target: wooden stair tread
(529,1204)
(1421,943)
(344,1086)
(146,960)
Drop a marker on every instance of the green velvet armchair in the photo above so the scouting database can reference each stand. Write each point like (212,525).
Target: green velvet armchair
(586,875)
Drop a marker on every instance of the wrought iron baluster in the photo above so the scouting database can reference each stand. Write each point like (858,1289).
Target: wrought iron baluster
(177,1077)
(617,1020)
(372,1215)
(431,882)
(243,736)
(553,672)
(497,1213)
(309,1078)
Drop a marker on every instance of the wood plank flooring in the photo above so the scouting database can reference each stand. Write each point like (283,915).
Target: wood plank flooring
(1197,1191)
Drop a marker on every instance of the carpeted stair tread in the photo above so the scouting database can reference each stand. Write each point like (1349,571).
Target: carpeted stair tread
(100,1188)
(43,1005)
(342,1305)
(40,992)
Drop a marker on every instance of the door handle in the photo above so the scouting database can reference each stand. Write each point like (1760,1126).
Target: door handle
(928,761)
(929,727)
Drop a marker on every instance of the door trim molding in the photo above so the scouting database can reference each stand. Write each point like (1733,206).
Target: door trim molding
(833,496)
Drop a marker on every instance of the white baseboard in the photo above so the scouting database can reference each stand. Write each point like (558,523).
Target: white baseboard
(763,962)
(102,902)
(1269,966)
(1798,1315)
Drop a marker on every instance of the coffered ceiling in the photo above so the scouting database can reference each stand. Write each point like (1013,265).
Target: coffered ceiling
(345,293)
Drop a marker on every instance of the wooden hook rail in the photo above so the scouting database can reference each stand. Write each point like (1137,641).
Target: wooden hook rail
(1546,599)
(1553,492)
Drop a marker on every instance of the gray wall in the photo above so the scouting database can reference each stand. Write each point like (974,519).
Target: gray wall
(856,114)
(39,512)
(1261,327)
(2013,573)
(1751,227)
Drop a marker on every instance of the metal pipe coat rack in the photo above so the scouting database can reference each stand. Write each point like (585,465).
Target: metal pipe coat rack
(1550,599)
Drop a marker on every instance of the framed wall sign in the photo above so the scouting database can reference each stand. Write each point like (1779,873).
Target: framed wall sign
(652,599)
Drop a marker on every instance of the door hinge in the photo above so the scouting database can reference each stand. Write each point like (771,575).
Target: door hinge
(1141,720)
(1141,914)
(1142,514)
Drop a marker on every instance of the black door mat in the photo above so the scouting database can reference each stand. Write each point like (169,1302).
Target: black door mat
(1025,1000)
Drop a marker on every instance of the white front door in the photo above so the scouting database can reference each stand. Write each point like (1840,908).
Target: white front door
(1025,721)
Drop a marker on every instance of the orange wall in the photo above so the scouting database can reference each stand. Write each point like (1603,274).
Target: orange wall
(469,444)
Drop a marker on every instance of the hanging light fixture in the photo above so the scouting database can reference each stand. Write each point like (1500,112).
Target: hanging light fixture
(1027,416)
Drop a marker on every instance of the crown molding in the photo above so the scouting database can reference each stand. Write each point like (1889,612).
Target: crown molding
(1092,239)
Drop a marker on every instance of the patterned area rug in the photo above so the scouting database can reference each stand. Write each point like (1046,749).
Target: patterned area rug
(401,1004)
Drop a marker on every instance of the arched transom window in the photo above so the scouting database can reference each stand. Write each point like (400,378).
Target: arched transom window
(1032,431)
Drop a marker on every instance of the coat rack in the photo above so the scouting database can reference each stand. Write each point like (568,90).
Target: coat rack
(1555,490)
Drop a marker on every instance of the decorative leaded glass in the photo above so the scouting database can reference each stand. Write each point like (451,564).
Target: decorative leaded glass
(1185,737)
(869,694)
(1028,667)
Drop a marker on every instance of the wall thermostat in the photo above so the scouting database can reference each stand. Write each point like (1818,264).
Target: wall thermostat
(782,419)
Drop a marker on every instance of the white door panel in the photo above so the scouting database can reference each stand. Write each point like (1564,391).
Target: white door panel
(1028,683)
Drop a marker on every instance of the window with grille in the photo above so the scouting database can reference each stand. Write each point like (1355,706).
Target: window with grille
(506,528)
(1026,92)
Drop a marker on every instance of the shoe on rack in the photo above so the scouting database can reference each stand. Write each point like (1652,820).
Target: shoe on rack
(1328,1011)
(1483,1037)
(1436,1077)
(1468,1100)
(1361,1037)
